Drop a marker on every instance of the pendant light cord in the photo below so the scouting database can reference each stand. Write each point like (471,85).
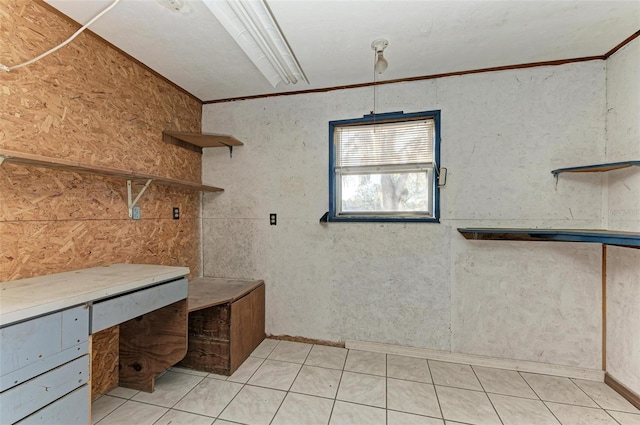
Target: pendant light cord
(64,43)
(373,112)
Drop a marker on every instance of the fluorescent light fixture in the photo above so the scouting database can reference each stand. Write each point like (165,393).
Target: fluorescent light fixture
(252,25)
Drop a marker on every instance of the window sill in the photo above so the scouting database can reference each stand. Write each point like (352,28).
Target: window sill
(327,218)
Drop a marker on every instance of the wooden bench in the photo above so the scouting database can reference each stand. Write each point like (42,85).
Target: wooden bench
(226,323)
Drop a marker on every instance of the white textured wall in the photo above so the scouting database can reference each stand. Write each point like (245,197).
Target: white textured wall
(623,264)
(623,136)
(623,315)
(419,284)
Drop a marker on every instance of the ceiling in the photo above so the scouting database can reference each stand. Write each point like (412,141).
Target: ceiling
(332,38)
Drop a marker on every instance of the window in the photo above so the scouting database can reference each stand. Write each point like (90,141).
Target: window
(384,167)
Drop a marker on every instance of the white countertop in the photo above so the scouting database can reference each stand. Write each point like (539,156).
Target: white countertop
(25,298)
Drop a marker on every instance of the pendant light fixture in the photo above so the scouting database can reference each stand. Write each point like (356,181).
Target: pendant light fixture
(381,63)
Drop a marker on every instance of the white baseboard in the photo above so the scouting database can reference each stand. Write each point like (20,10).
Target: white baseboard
(474,360)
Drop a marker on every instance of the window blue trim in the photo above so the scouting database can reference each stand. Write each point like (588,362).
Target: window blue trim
(399,116)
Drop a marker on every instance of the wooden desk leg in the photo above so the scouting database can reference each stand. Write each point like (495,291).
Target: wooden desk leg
(152,343)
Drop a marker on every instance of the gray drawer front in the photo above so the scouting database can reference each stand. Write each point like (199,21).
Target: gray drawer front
(75,326)
(19,376)
(29,342)
(25,399)
(72,409)
(126,307)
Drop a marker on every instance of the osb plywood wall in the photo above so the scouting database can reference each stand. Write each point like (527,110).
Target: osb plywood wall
(89,103)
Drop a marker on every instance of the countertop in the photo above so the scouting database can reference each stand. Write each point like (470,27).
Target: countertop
(35,296)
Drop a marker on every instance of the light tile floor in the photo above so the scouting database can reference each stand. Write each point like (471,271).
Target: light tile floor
(293,383)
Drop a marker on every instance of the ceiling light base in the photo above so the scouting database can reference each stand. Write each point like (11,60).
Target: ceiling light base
(174,5)
(379,45)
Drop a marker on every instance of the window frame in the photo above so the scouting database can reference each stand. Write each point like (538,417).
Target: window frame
(335,191)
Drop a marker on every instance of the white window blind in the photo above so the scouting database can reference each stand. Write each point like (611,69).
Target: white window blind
(409,142)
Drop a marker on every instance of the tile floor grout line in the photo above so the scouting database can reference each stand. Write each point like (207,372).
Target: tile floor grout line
(314,395)
(371,405)
(386,389)
(509,395)
(145,403)
(333,405)
(274,347)
(181,398)
(486,394)
(344,362)
(114,396)
(586,407)
(478,378)
(230,401)
(587,394)
(622,411)
(436,392)
(101,419)
(368,374)
(194,413)
(612,417)
(416,414)
(551,411)
(132,401)
(527,382)
(163,415)
(188,392)
(279,406)
(116,408)
(335,400)
(244,384)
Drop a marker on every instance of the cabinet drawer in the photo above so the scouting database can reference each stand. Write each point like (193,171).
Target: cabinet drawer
(21,401)
(126,307)
(30,342)
(21,375)
(72,409)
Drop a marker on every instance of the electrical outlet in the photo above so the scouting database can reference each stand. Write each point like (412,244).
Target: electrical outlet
(176,213)
(273,219)
(135,213)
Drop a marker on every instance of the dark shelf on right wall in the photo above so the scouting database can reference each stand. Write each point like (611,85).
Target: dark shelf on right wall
(607,237)
(595,168)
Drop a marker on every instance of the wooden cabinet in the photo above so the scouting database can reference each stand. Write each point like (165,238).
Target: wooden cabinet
(226,323)
(42,361)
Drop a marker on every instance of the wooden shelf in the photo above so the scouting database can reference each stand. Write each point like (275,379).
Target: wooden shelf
(597,167)
(64,164)
(197,141)
(130,176)
(607,237)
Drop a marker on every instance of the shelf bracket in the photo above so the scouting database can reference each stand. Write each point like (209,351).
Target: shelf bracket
(132,203)
(230,149)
